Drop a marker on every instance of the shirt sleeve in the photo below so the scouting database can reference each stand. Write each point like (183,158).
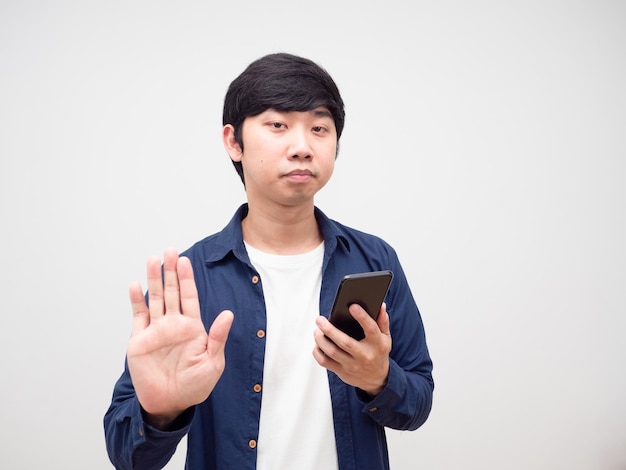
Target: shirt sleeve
(406,400)
(131,443)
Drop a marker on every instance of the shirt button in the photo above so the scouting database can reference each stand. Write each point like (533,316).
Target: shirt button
(252,443)
(257,388)
(260,334)
(255,279)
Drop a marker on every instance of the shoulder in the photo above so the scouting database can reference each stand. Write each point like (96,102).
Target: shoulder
(218,245)
(353,235)
(357,243)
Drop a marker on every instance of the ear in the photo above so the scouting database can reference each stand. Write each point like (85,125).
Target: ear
(230,144)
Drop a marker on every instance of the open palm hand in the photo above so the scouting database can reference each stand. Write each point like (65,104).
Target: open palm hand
(174,364)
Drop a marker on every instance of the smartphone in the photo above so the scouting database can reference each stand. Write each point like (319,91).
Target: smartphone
(366,289)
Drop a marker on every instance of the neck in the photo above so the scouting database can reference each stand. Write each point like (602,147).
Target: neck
(284,231)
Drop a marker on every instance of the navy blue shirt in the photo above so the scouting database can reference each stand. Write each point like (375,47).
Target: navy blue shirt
(222,431)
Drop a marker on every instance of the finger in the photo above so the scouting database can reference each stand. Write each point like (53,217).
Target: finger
(383,320)
(188,292)
(218,333)
(332,341)
(155,287)
(324,360)
(171,288)
(319,337)
(362,317)
(330,331)
(141,314)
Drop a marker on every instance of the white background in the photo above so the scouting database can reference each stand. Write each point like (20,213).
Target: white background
(485,140)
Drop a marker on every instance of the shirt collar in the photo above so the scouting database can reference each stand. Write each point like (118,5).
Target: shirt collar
(230,239)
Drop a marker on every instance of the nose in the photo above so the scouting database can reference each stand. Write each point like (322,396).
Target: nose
(300,146)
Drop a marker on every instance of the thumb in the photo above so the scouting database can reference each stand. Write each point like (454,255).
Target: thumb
(141,314)
(218,333)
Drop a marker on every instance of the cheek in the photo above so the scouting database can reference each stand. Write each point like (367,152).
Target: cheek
(327,168)
(331,164)
(330,157)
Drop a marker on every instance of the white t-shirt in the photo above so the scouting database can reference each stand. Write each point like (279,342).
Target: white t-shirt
(296,427)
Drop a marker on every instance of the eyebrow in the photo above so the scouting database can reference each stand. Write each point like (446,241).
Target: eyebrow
(321,112)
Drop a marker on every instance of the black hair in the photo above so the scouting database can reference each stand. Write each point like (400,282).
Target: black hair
(283,82)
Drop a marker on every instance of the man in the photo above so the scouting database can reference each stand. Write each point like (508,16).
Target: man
(249,393)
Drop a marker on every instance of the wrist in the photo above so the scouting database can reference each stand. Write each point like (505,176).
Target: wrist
(373,392)
(162,422)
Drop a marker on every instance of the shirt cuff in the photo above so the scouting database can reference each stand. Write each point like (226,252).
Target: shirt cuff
(145,433)
(387,399)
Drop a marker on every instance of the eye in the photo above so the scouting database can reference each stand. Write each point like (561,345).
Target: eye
(319,129)
(277,125)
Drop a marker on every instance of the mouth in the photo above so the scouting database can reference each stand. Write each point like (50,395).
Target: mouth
(299,175)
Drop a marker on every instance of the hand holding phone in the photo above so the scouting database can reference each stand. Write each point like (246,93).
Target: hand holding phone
(365,289)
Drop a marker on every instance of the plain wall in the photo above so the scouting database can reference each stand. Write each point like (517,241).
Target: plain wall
(485,140)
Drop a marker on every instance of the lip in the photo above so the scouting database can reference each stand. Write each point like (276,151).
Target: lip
(299,175)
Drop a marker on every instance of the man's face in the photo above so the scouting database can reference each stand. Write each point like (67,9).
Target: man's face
(288,156)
